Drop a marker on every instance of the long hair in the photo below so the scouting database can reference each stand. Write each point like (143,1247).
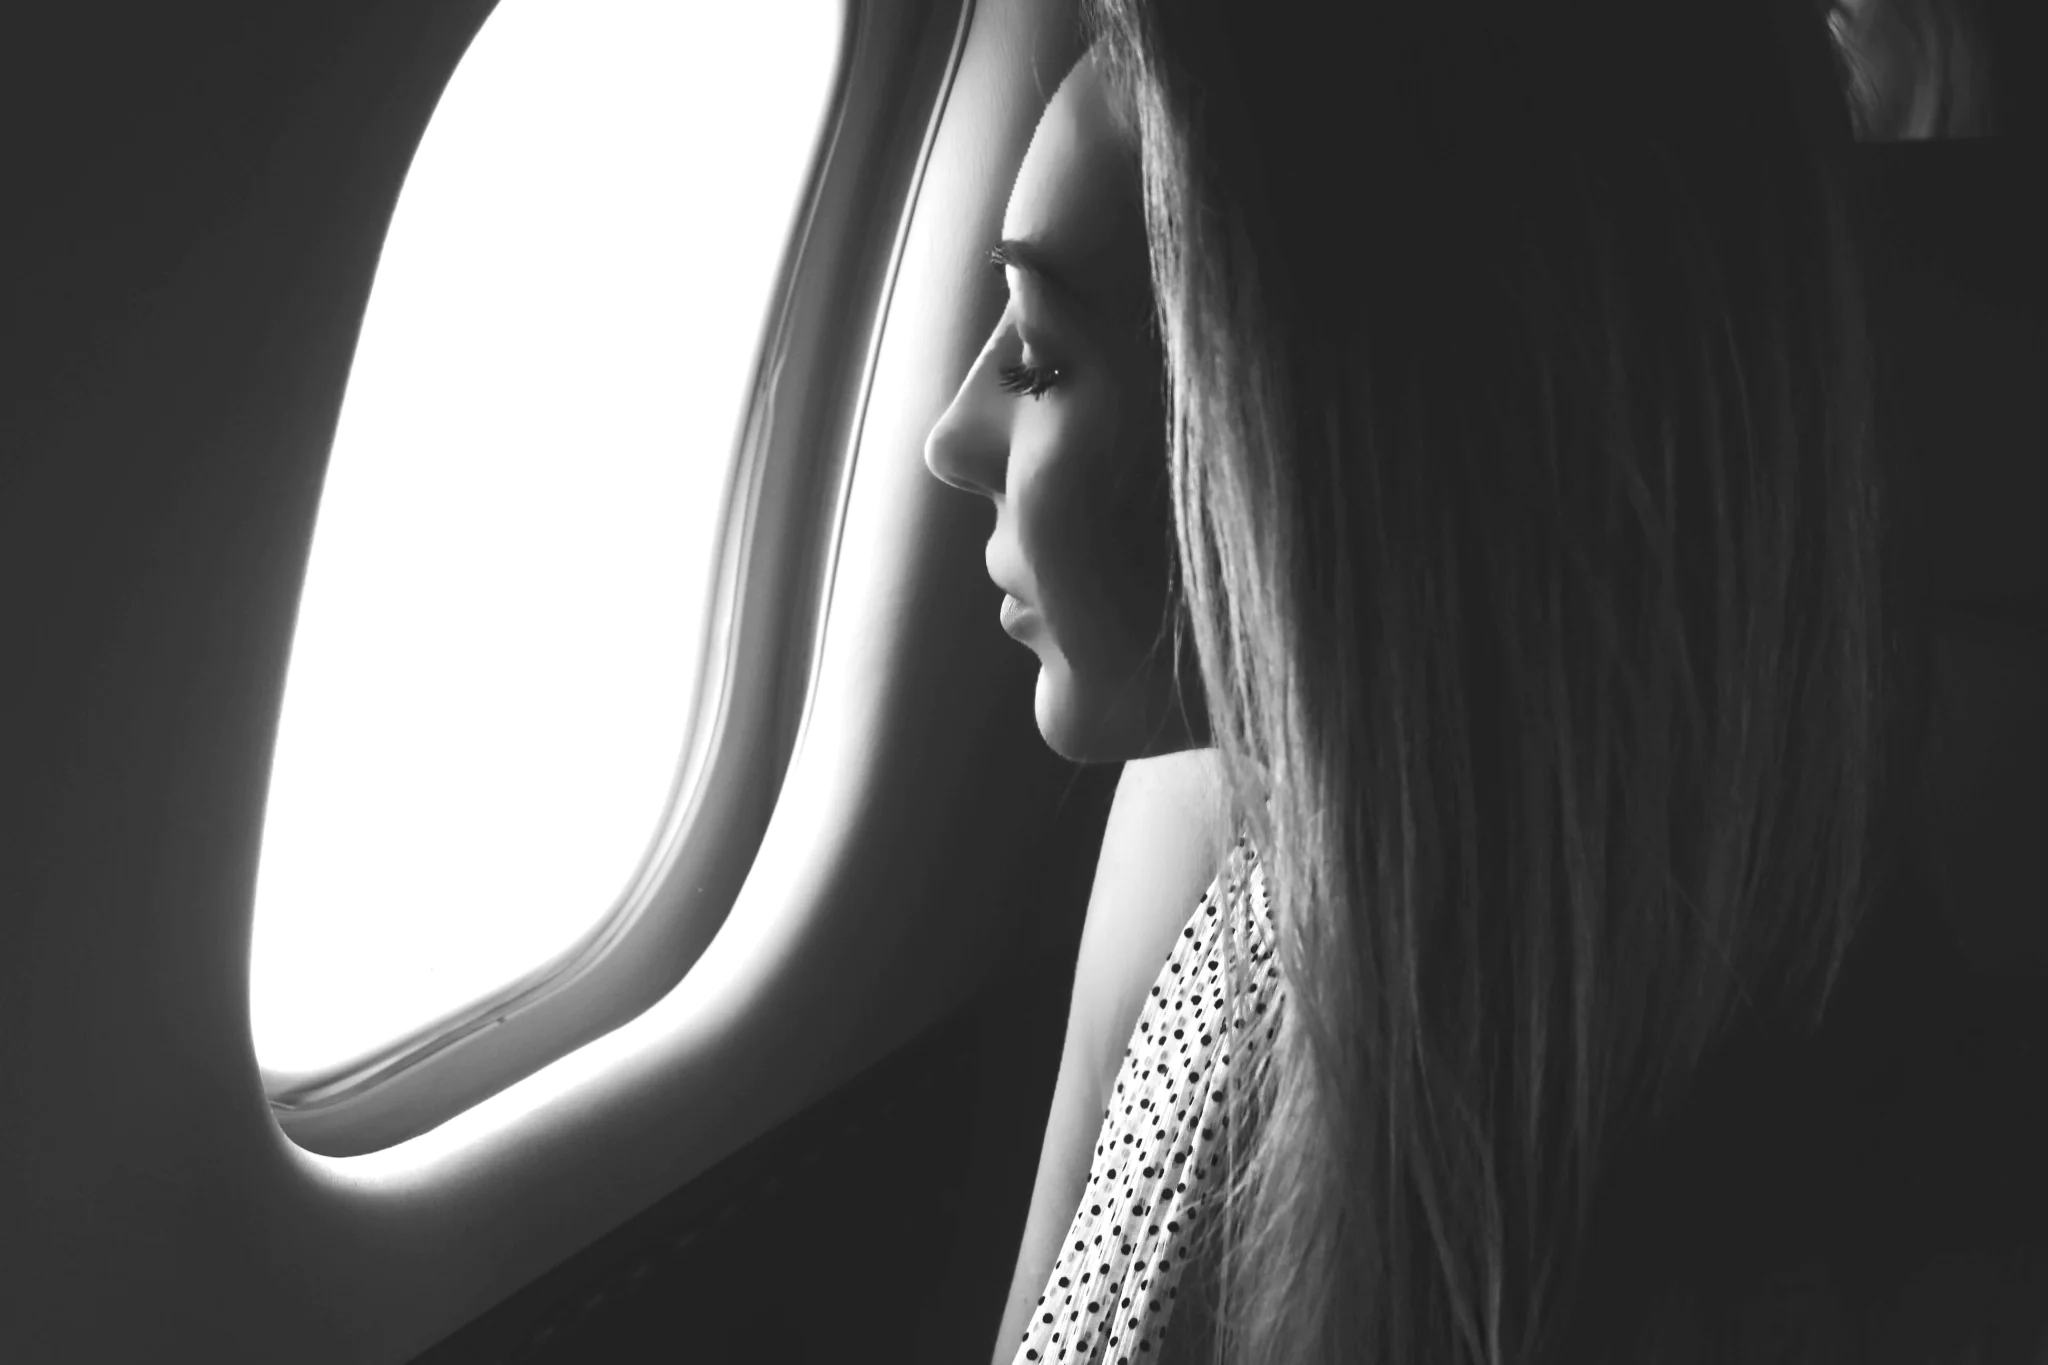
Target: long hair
(1528,511)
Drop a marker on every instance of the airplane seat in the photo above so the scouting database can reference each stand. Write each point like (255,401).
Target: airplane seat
(1894,1166)
(1952,1177)
(1962,327)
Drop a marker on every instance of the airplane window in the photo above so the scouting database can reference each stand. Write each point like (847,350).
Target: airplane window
(494,667)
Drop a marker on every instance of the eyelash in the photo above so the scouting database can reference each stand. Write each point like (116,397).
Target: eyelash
(1031,381)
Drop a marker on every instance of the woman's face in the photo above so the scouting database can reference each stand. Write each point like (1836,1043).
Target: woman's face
(1059,424)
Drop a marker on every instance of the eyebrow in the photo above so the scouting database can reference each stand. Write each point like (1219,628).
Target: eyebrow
(1012,253)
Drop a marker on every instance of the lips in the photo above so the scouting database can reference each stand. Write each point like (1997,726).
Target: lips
(996,576)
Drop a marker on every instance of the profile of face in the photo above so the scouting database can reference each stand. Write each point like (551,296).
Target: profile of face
(1060,424)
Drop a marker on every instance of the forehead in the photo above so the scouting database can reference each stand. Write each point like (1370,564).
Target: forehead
(1076,194)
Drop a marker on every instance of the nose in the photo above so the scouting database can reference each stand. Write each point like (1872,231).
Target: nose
(967,446)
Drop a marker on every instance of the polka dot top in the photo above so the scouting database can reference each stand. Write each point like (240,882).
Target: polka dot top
(1111,1293)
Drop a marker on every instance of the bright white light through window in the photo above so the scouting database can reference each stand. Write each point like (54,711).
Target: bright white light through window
(496,648)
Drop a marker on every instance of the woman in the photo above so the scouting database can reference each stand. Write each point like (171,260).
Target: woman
(1058,423)
(1525,490)
(1523,454)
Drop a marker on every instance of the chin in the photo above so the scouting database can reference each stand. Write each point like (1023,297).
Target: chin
(1101,725)
(1069,725)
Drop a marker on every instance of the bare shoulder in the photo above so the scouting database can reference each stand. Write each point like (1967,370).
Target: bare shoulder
(1168,834)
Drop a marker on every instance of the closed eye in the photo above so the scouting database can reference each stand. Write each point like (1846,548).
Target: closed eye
(1032,381)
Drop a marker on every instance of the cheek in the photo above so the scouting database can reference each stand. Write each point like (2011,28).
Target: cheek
(1094,523)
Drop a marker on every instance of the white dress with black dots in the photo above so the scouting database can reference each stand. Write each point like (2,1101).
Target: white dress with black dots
(1110,1295)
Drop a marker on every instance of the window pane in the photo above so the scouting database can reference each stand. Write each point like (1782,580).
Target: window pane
(495,654)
